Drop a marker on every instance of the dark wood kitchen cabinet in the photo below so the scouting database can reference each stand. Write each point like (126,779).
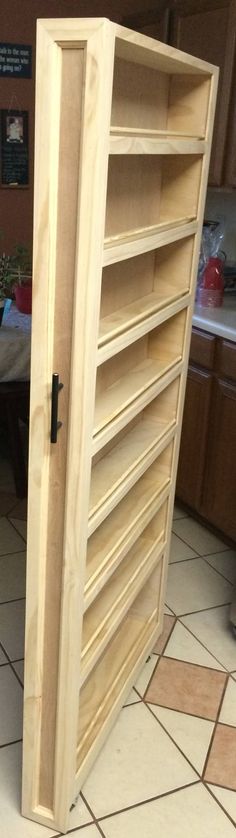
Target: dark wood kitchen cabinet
(154,23)
(207,29)
(206,479)
(194,436)
(219,486)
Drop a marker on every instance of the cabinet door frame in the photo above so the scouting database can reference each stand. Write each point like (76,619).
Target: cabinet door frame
(57,523)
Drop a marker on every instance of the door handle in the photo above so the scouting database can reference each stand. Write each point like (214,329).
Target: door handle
(55,424)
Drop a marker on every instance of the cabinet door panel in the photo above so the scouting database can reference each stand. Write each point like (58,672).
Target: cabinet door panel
(219,496)
(207,29)
(194,437)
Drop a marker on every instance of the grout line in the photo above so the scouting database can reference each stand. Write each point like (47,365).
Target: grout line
(201,610)
(215,727)
(203,645)
(13,552)
(15,742)
(182,713)
(10,663)
(160,654)
(199,665)
(206,786)
(10,601)
(148,800)
(224,549)
(217,571)
(95,820)
(16,530)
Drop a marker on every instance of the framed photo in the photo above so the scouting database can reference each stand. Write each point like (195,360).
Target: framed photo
(14,148)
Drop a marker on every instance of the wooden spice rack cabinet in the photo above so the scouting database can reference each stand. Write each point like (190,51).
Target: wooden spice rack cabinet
(123,136)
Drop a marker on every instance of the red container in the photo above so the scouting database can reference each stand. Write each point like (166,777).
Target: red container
(23,295)
(210,292)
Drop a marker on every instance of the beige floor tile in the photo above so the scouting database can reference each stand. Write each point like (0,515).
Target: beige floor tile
(183,646)
(221,764)
(233,675)
(20,509)
(133,698)
(168,611)
(228,710)
(198,537)
(212,628)
(225,563)
(191,812)
(179,512)
(12,824)
(194,585)
(87,832)
(20,526)
(10,541)
(227,798)
(19,668)
(79,816)
(167,628)
(10,706)
(183,686)
(129,768)
(6,477)
(12,577)
(7,502)
(3,658)
(144,677)
(180,552)
(12,628)
(192,735)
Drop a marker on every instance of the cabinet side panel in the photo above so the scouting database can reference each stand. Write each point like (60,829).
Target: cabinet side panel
(68,181)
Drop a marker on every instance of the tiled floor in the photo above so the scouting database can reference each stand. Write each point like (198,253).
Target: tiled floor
(168,768)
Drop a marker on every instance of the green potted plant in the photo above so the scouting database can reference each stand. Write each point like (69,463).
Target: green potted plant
(21,276)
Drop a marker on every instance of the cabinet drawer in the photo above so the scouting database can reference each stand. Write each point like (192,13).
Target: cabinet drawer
(226,359)
(202,349)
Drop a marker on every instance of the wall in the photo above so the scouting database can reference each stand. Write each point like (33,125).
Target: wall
(222,206)
(18,25)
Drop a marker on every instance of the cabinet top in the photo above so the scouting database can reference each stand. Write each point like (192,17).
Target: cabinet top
(218,321)
(130,45)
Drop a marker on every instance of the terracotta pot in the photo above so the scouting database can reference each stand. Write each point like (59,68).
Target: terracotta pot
(23,295)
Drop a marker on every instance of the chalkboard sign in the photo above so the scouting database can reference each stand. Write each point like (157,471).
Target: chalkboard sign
(15,61)
(14,148)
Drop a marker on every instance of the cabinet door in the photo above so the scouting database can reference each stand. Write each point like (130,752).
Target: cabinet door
(219,497)
(208,30)
(194,436)
(66,297)
(230,157)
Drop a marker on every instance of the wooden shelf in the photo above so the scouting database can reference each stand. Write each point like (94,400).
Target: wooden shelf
(112,677)
(162,133)
(130,453)
(108,609)
(126,317)
(141,240)
(133,378)
(128,389)
(146,190)
(139,141)
(111,541)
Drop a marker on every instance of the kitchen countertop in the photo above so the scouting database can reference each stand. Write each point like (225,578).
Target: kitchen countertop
(218,321)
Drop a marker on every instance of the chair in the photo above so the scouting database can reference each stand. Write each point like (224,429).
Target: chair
(14,406)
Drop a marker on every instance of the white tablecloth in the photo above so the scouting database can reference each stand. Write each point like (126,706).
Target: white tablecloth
(15,340)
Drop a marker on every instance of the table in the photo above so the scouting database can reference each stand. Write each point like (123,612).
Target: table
(15,344)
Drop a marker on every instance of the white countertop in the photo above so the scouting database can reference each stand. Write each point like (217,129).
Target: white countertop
(219,321)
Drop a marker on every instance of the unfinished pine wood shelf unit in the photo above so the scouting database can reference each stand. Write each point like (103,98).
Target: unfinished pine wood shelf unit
(123,136)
